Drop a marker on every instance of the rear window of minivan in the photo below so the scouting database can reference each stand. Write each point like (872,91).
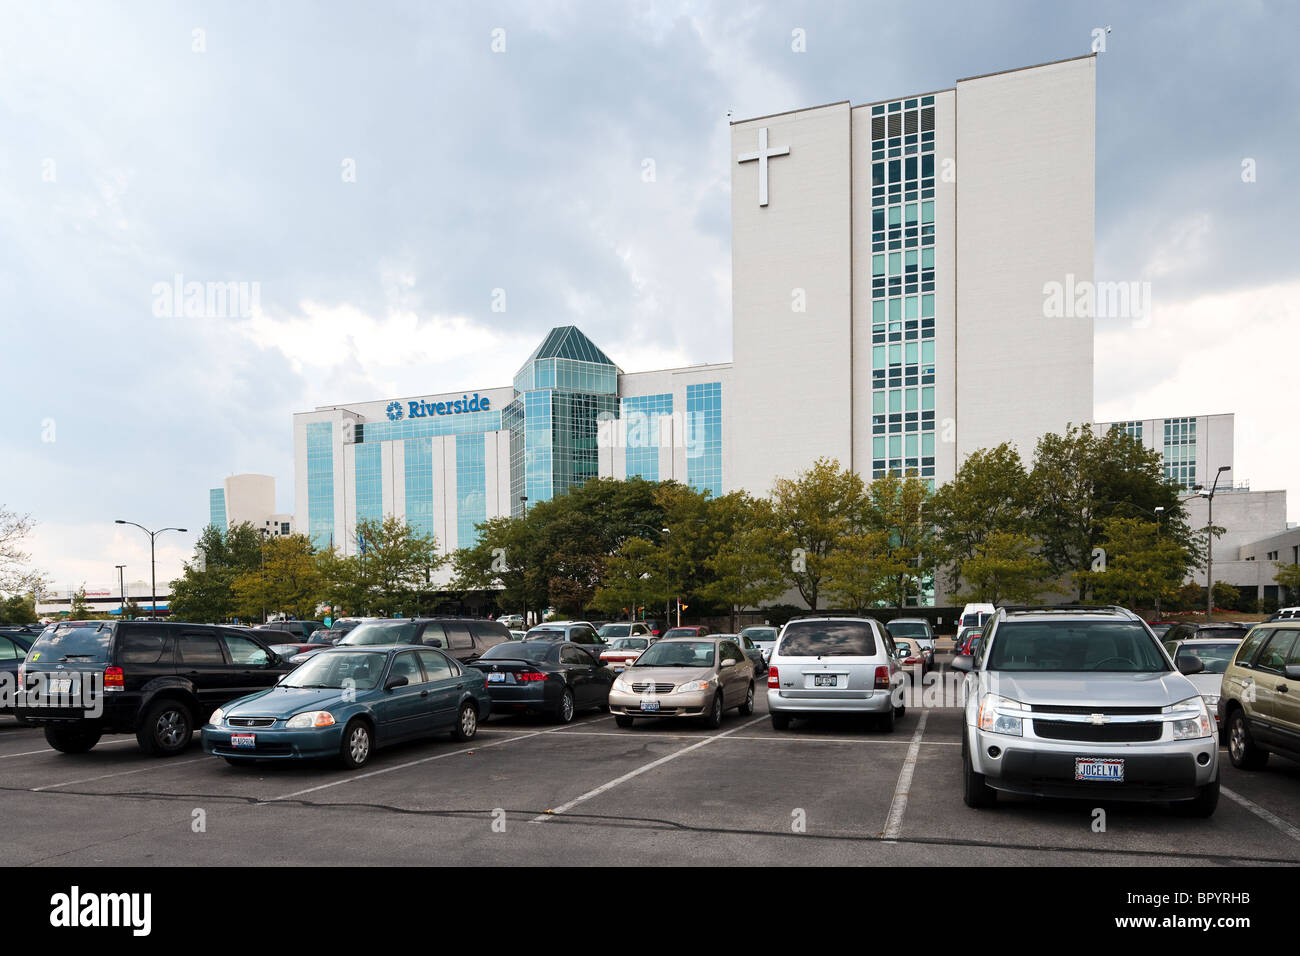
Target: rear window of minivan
(827,639)
(88,643)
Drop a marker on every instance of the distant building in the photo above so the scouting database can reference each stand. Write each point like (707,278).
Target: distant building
(251,499)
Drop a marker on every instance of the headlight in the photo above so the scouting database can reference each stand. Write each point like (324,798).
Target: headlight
(1211,701)
(622,685)
(217,717)
(311,718)
(1200,724)
(996,723)
(693,686)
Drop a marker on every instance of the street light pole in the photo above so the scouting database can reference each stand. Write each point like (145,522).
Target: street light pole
(523,500)
(121,584)
(153,570)
(1209,544)
(1159,527)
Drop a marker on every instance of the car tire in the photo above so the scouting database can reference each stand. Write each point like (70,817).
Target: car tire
(1244,753)
(976,793)
(1207,799)
(166,729)
(623,720)
(466,722)
(72,740)
(780,721)
(747,707)
(566,709)
(357,745)
(714,718)
(886,721)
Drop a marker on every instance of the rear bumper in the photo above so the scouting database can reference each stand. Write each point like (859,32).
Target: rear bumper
(523,698)
(805,702)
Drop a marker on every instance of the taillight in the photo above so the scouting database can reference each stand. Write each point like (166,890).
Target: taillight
(113,678)
(530,675)
(22,674)
(882,678)
(773,679)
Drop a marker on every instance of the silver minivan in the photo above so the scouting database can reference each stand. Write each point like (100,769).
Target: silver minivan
(1084,702)
(842,665)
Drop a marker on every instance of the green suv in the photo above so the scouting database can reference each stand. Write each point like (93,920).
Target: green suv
(1259,705)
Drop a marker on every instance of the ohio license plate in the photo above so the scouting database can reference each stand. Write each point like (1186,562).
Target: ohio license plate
(825,680)
(1094,768)
(243,740)
(496,678)
(649,705)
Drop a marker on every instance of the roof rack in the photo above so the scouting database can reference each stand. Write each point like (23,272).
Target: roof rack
(823,615)
(1068,608)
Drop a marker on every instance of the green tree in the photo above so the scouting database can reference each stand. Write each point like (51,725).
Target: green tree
(289,582)
(1288,578)
(744,569)
(861,571)
(1142,566)
(18,609)
(394,563)
(900,509)
(989,493)
(1004,567)
(1227,596)
(15,575)
(79,609)
(504,557)
(811,513)
(633,579)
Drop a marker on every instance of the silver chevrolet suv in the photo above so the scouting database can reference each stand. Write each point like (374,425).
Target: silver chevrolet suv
(1084,702)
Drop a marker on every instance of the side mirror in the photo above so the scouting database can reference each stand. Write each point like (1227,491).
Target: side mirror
(963,662)
(1292,671)
(395,682)
(1187,664)
(728,663)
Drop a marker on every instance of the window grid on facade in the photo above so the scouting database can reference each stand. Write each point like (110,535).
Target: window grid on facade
(704,437)
(471,488)
(1180,450)
(320,483)
(1131,428)
(418,453)
(641,414)
(370,483)
(462,424)
(217,509)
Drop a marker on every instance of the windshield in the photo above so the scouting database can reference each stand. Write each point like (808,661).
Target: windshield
(909,629)
(629,644)
(827,639)
(678,654)
(975,618)
(615,630)
(85,643)
(545,634)
(759,633)
(1215,657)
(380,632)
(331,670)
(519,651)
(1075,646)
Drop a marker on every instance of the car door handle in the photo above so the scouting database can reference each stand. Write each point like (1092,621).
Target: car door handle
(1281,688)
(424,693)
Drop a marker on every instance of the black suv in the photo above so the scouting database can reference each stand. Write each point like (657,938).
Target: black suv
(156,679)
(463,638)
(302,630)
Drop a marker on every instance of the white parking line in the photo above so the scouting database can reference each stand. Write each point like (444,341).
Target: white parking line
(894,822)
(565,807)
(51,750)
(402,766)
(161,765)
(632,735)
(1255,808)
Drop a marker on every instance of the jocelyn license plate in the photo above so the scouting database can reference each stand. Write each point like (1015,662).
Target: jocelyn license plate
(243,740)
(649,705)
(1096,768)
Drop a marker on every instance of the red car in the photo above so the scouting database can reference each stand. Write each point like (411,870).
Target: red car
(971,644)
(684,631)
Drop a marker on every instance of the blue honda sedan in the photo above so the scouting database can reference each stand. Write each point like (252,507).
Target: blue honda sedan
(347,703)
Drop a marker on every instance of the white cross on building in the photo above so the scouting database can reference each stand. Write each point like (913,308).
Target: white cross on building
(762,156)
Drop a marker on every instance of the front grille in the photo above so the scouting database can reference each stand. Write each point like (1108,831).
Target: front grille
(1091,733)
(261,750)
(659,688)
(1064,709)
(250,721)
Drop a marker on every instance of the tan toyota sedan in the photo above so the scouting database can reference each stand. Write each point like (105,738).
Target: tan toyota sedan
(685,677)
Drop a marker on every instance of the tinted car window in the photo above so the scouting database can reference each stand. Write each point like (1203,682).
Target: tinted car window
(458,636)
(246,652)
(828,639)
(615,630)
(407,665)
(908,629)
(381,632)
(759,633)
(9,650)
(332,670)
(144,645)
(545,634)
(519,651)
(1114,646)
(433,635)
(574,655)
(1251,644)
(199,649)
(1276,650)
(1214,656)
(435,665)
(88,643)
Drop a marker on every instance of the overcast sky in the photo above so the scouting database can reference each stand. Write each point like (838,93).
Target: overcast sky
(378,170)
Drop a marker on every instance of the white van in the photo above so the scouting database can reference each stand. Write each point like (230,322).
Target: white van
(973,616)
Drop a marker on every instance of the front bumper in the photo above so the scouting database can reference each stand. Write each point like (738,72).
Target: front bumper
(1159,770)
(308,744)
(692,704)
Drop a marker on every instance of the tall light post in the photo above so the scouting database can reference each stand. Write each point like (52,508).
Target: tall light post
(265,532)
(523,500)
(153,571)
(121,585)
(1159,513)
(1209,543)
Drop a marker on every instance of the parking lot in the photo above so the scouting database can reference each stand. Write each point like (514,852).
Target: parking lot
(836,791)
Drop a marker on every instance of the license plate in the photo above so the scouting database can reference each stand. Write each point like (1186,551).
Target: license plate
(649,705)
(243,740)
(61,686)
(496,678)
(1094,768)
(825,680)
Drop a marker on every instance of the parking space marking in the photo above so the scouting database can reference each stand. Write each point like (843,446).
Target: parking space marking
(1266,816)
(565,807)
(51,750)
(894,822)
(410,763)
(121,773)
(636,734)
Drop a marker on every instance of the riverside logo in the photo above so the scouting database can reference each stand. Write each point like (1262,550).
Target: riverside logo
(423,409)
(74,909)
